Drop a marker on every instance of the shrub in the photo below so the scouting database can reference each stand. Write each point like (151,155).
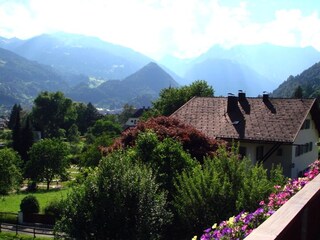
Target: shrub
(29,204)
(220,188)
(54,208)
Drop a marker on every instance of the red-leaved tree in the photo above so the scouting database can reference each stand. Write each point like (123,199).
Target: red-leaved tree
(192,140)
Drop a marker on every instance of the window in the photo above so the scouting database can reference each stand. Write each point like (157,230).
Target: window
(259,153)
(242,151)
(310,146)
(279,152)
(297,150)
(303,148)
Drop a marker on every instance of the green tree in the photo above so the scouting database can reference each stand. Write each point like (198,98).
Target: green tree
(51,112)
(298,92)
(119,200)
(16,109)
(107,125)
(166,157)
(171,99)
(47,159)
(27,138)
(16,133)
(92,154)
(10,172)
(73,134)
(87,115)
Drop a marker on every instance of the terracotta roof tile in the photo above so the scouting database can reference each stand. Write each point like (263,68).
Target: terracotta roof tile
(251,119)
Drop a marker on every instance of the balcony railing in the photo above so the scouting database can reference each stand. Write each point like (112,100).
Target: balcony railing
(297,219)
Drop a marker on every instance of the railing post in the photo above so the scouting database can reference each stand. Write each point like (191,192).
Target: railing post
(34,232)
(16,229)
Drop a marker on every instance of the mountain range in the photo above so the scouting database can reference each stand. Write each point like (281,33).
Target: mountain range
(252,68)
(89,69)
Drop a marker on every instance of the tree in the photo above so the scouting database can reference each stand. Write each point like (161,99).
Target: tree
(16,109)
(10,172)
(119,200)
(51,112)
(167,158)
(87,115)
(298,92)
(27,138)
(16,133)
(107,125)
(47,159)
(73,134)
(170,99)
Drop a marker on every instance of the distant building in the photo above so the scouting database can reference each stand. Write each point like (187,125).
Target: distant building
(134,119)
(271,131)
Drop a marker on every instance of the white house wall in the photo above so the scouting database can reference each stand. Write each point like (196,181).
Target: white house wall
(305,136)
(284,159)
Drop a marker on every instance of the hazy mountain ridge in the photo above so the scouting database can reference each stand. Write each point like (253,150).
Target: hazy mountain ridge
(139,89)
(79,54)
(265,66)
(21,79)
(229,76)
(308,80)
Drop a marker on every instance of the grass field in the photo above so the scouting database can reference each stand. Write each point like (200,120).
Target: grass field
(13,236)
(11,203)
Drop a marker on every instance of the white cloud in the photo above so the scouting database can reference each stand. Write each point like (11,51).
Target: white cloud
(158,27)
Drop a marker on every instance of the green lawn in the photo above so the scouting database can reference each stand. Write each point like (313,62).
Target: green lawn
(13,236)
(11,203)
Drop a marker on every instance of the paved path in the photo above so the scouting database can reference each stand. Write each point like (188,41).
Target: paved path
(29,230)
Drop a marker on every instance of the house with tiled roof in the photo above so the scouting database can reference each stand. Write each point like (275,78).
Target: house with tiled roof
(269,130)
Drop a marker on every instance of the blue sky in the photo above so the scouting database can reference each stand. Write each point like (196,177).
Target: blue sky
(182,28)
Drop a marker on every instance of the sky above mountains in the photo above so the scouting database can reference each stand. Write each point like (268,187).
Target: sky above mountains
(181,28)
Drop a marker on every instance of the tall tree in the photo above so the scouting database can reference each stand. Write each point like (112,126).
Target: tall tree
(16,133)
(47,159)
(87,115)
(52,111)
(27,138)
(16,109)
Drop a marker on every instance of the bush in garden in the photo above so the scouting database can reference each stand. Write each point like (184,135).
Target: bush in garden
(54,208)
(192,140)
(29,204)
(120,199)
(223,186)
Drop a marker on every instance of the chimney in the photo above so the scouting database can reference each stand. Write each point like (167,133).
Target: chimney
(232,102)
(265,97)
(241,95)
